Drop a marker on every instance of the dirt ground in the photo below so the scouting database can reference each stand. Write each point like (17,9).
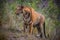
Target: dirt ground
(12,34)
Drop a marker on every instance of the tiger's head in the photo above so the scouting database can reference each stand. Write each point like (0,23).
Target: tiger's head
(19,10)
(22,10)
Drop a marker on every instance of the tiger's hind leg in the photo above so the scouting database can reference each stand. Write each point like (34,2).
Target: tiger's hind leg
(42,30)
(39,30)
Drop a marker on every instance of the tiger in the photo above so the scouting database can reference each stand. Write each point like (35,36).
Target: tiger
(32,18)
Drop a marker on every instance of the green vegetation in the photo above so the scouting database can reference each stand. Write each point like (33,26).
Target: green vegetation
(8,18)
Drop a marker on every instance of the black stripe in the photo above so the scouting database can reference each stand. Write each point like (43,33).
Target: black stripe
(27,16)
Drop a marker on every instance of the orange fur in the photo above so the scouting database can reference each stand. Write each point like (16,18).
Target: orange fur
(34,17)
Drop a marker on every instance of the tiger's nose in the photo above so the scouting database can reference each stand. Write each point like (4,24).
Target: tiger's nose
(21,11)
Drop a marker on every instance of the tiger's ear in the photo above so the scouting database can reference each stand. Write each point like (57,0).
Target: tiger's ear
(22,7)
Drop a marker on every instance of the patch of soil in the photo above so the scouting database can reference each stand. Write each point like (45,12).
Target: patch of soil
(17,35)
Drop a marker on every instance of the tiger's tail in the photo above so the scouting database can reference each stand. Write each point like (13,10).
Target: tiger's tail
(44,29)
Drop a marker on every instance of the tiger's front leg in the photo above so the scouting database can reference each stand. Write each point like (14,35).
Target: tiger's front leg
(31,28)
(25,27)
